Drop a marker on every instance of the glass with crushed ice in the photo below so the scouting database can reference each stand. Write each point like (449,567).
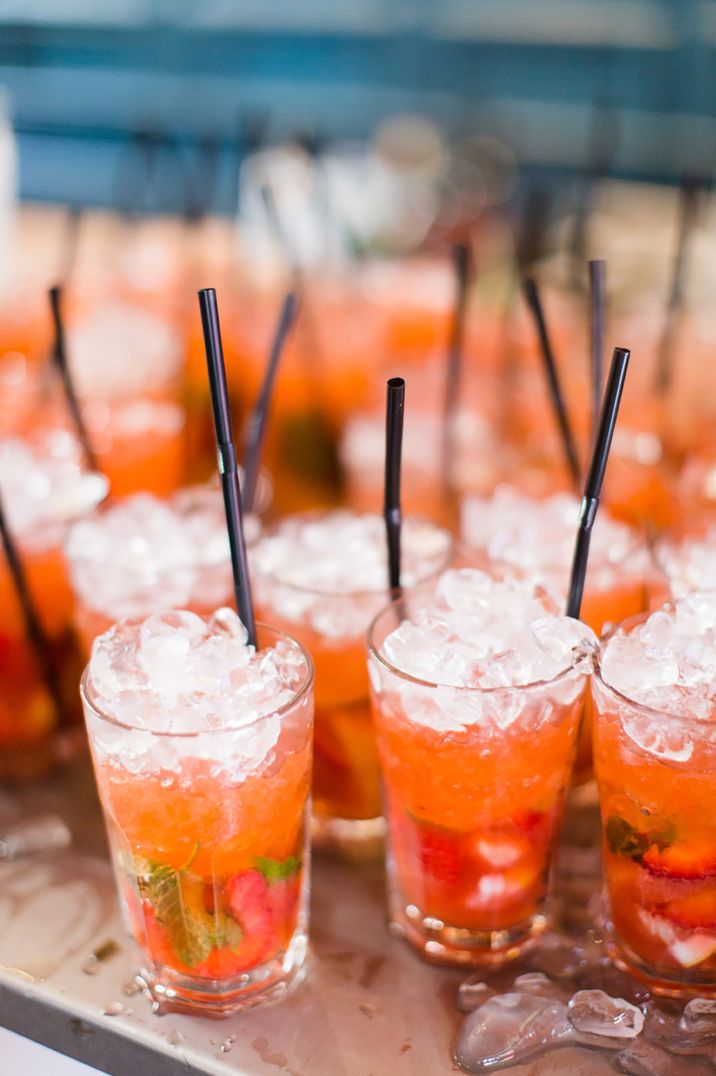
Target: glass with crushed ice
(685,557)
(43,489)
(143,554)
(323,577)
(202,752)
(654,694)
(478,687)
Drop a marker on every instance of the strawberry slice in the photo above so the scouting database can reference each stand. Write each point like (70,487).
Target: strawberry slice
(283,900)
(529,821)
(689,860)
(693,910)
(245,899)
(440,854)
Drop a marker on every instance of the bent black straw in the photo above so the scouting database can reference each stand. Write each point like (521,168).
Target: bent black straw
(33,626)
(595,478)
(532,297)
(70,243)
(259,417)
(453,373)
(689,190)
(597,287)
(394,407)
(59,357)
(227,458)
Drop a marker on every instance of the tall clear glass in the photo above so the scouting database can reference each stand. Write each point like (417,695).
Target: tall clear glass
(656,773)
(474,783)
(210,846)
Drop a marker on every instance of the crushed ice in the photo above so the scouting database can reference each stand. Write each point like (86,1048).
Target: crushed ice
(537,535)
(481,632)
(331,568)
(176,548)
(177,673)
(43,483)
(666,663)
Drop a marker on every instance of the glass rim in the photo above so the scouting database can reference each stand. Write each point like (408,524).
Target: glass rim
(297,697)
(533,685)
(360,592)
(619,696)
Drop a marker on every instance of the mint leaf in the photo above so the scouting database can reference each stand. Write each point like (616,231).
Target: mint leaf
(623,839)
(226,931)
(664,837)
(173,895)
(275,870)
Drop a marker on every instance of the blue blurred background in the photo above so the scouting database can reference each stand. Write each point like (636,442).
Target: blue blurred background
(185,87)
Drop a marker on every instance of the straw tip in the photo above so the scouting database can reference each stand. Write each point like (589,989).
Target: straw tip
(396,382)
(529,288)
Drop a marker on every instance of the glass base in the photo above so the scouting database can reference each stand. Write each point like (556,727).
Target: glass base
(171,991)
(441,943)
(349,838)
(665,982)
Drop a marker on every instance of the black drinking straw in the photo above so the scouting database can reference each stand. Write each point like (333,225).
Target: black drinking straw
(227,458)
(532,297)
(394,407)
(70,243)
(597,296)
(259,417)
(453,370)
(33,625)
(595,478)
(279,233)
(603,143)
(689,189)
(59,357)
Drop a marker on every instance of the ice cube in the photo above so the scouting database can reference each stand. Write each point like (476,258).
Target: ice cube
(563,637)
(510,1029)
(658,736)
(632,669)
(644,1058)
(658,631)
(227,622)
(596,1013)
(699,1016)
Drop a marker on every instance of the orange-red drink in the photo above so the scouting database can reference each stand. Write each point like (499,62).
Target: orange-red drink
(202,752)
(41,494)
(323,577)
(654,694)
(477,694)
(141,555)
